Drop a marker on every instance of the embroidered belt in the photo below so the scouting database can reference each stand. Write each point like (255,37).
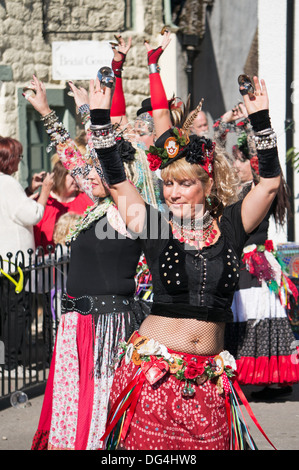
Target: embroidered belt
(94,304)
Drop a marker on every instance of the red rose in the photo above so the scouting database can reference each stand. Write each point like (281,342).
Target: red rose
(269,245)
(254,164)
(193,370)
(154,161)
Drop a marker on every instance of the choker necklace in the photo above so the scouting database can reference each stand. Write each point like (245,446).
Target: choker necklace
(195,231)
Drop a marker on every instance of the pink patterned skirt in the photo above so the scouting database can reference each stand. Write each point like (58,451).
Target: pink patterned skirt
(75,404)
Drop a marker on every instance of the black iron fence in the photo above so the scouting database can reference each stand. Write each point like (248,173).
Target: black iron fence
(30,299)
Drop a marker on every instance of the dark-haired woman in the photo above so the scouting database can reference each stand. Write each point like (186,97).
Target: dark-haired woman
(99,309)
(261,337)
(18,215)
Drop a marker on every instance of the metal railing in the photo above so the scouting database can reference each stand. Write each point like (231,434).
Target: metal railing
(29,318)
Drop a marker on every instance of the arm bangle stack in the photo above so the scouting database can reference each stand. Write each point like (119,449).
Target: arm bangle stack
(102,136)
(266,139)
(55,129)
(85,113)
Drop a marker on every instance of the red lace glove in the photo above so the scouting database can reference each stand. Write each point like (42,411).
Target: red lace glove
(154,55)
(117,65)
(118,105)
(158,95)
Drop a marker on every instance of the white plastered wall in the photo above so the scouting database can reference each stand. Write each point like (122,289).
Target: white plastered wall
(272,68)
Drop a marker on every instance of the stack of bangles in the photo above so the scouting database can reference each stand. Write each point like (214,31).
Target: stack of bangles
(265,139)
(85,113)
(56,130)
(102,136)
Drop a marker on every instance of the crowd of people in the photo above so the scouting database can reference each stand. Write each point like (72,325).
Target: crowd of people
(162,193)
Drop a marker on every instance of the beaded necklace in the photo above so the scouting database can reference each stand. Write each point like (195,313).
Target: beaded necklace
(198,230)
(91,214)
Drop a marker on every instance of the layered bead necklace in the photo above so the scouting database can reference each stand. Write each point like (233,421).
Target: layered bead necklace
(196,231)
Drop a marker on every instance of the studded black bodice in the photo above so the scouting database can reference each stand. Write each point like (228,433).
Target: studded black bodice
(188,283)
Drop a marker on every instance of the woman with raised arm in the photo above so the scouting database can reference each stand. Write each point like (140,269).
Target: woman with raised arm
(98,310)
(173,389)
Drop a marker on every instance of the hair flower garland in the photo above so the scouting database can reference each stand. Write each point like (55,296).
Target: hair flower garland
(176,143)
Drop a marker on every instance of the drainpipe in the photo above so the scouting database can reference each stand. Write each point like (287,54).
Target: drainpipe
(289,120)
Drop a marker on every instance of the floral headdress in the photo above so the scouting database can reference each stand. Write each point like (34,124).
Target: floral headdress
(175,144)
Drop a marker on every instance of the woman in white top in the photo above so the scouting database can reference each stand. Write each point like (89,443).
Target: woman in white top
(18,214)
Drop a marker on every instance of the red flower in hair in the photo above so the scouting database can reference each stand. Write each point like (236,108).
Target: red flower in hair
(255,164)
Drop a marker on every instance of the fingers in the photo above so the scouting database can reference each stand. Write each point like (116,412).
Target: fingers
(166,39)
(147,45)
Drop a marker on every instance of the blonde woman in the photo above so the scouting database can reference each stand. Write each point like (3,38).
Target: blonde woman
(172,388)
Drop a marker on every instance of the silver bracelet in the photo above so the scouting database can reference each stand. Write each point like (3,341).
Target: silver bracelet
(153,68)
(103,138)
(98,130)
(266,141)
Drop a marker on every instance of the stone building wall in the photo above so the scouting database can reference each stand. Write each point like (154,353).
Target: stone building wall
(28,28)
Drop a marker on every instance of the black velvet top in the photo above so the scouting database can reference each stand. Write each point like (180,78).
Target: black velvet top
(103,266)
(188,283)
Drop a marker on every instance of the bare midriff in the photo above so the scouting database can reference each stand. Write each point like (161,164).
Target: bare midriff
(185,335)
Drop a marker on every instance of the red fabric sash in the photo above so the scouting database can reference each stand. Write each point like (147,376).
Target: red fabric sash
(134,388)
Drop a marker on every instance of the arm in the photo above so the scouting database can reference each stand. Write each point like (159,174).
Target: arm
(258,201)
(161,113)
(228,122)
(67,150)
(130,204)
(23,209)
(118,105)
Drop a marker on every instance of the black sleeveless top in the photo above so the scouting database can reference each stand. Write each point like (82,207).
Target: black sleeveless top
(104,266)
(188,283)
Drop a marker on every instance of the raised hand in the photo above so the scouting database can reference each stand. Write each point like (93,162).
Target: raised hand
(80,95)
(258,100)
(154,54)
(121,49)
(99,98)
(39,99)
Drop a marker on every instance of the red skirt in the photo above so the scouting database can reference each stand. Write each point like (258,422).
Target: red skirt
(165,420)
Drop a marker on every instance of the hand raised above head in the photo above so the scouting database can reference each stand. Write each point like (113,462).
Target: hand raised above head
(154,54)
(99,98)
(258,100)
(122,48)
(80,95)
(39,99)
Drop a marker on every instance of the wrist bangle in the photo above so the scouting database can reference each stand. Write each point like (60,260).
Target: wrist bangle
(102,136)
(154,68)
(266,139)
(55,129)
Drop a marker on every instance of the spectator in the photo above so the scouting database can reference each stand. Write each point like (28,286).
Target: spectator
(65,197)
(18,214)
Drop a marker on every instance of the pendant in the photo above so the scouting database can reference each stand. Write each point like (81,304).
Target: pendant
(197,261)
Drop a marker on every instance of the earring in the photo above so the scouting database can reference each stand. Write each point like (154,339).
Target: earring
(208,199)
